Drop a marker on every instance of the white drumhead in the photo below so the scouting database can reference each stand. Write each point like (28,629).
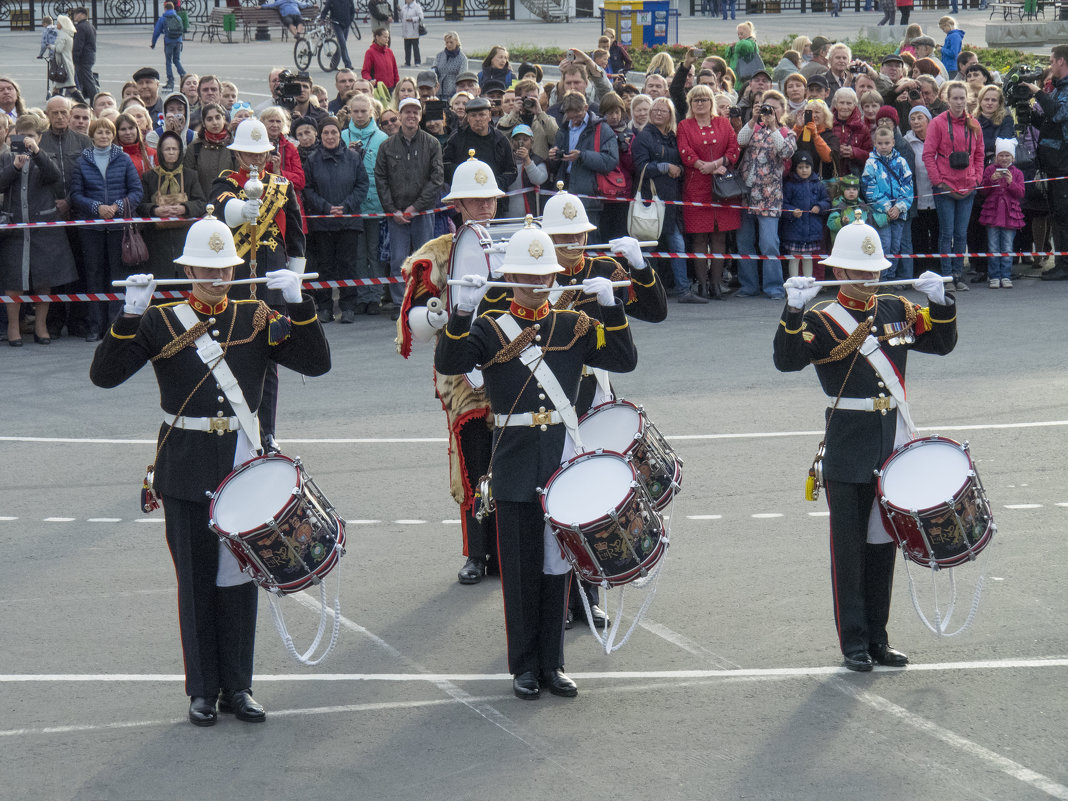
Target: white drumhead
(255,495)
(611,428)
(589,488)
(469,256)
(926,474)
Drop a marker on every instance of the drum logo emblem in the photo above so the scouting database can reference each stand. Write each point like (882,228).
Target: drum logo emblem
(570,211)
(480,177)
(868,246)
(215,242)
(535,250)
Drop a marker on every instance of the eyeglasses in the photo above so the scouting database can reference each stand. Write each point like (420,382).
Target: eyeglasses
(701,100)
(390,121)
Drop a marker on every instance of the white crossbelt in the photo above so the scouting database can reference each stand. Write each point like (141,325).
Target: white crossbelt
(219,425)
(530,419)
(867,404)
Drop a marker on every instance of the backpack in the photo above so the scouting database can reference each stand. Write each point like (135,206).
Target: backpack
(174,27)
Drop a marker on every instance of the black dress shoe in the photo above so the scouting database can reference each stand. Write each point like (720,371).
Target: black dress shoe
(525,686)
(559,684)
(1056,274)
(859,661)
(202,711)
(885,655)
(15,343)
(242,705)
(42,340)
(600,617)
(472,571)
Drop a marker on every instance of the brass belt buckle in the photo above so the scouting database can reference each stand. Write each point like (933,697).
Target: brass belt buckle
(541,419)
(880,404)
(220,425)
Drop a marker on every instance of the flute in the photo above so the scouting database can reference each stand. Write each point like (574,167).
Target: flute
(903,282)
(558,288)
(212,281)
(458,282)
(645,243)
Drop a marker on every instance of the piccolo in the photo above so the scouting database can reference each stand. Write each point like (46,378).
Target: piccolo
(212,281)
(903,282)
(558,288)
(645,243)
(459,282)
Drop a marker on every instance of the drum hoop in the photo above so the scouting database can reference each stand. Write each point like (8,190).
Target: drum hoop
(919,442)
(552,521)
(485,241)
(293,496)
(643,420)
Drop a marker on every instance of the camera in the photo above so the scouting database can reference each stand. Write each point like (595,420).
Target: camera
(857,69)
(808,116)
(434,108)
(959,160)
(914,94)
(1019,96)
(530,105)
(699,52)
(766,110)
(18,144)
(734,112)
(289,89)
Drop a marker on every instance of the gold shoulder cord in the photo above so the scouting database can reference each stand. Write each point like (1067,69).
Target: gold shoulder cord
(510,350)
(860,333)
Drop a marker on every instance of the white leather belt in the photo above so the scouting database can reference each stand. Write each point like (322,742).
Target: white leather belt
(529,419)
(867,404)
(220,425)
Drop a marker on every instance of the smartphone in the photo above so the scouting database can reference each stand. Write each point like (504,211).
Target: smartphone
(570,56)
(699,52)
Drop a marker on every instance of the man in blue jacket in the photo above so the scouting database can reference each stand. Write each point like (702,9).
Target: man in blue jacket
(585,147)
(172,28)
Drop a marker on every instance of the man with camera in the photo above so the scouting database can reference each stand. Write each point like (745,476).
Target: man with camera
(294,95)
(489,144)
(1053,153)
(528,112)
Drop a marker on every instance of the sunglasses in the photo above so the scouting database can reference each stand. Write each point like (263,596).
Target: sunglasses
(390,120)
(241,105)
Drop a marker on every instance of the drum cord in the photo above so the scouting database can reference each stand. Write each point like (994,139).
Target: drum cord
(940,625)
(324,611)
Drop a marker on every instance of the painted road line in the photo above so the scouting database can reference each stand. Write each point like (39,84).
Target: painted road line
(704,517)
(104,520)
(1023,506)
(766,515)
(58,520)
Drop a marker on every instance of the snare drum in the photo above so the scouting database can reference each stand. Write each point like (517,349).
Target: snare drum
(622,427)
(471,255)
(604,519)
(933,503)
(277,523)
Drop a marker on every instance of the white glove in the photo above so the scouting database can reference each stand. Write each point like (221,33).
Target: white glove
(251,210)
(139,293)
(800,290)
(286,280)
(469,294)
(602,288)
(932,285)
(627,246)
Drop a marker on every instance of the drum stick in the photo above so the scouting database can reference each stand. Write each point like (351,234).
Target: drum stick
(215,281)
(645,243)
(903,282)
(558,288)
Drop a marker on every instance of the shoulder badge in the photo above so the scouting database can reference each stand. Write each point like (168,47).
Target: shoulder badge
(570,211)
(808,336)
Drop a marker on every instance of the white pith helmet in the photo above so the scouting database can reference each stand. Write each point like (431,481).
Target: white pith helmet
(530,251)
(565,214)
(209,243)
(251,137)
(857,247)
(473,178)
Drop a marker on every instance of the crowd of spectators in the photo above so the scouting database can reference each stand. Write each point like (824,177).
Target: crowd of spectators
(929,154)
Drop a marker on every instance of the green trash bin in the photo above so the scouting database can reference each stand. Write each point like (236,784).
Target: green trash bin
(229,23)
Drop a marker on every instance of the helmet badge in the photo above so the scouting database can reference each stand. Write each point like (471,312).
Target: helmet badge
(535,250)
(215,242)
(480,177)
(570,211)
(868,246)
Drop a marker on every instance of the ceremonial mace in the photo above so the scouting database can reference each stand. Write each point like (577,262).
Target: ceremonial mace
(253,191)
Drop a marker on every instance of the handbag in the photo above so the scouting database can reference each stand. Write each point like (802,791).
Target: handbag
(611,185)
(728,186)
(422,29)
(645,221)
(57,70)
(134,251)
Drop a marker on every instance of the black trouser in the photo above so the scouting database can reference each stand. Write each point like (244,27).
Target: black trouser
(102,250)
(924,240)
(86,80)
(862,575)
(476,445)
(411,48)
(1058,209)
(218,623)
(535,604)
(906,11)
(335,260)
(977,241)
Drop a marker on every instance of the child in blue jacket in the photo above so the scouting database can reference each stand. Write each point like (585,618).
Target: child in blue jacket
(953,44)
(804,202)
(887,184)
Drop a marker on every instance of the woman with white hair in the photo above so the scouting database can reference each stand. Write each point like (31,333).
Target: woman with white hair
(64,54)
(449,64)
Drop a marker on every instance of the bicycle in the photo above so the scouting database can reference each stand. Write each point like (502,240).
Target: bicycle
(318,38)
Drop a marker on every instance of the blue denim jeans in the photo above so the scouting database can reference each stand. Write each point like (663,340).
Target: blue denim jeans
(173,54)
(342,33)
(1000,241)
(905,267)
(671,237)
(767,228)
(404,240)
(890,236)
(953,217)
(728,5)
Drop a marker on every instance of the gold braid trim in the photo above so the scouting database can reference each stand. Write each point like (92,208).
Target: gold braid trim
(619,274)
(511,350)
(567,299)
(188,337)
(860,333)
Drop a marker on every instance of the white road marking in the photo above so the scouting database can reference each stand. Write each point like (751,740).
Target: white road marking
(362,522)
(1004,764)
(8,519)
(104,520)
(1023,506)
(1056,504)
(704,517)
(409,522)
(451,522)
(766,515)
(150,520)
(421,440)
(58,520)
(819,514)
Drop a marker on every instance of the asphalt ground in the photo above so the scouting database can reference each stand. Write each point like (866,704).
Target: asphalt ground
(729,689)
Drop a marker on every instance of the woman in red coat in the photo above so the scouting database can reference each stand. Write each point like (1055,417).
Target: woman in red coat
(854,135)
(708,146)
(379,63)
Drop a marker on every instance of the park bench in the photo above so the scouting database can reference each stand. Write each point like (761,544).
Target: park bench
(248,18)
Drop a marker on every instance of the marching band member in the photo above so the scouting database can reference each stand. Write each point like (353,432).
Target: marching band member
(535,409)
(859,343)
(474,194)
(565,220)
(210,355)
(273,222)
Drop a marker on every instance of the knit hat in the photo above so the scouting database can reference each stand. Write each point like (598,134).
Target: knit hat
(1005,146)
(887,112)
(923,110)
(325,121)
(801,157)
